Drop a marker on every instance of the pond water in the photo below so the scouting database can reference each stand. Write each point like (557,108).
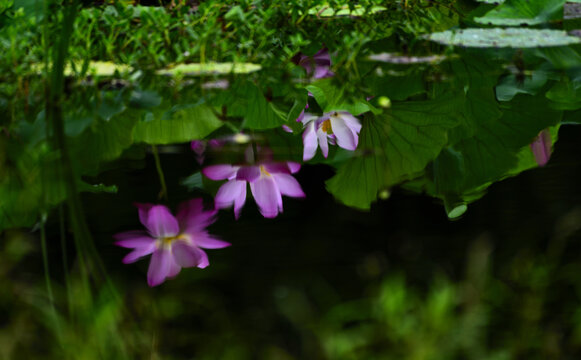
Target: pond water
(290,180)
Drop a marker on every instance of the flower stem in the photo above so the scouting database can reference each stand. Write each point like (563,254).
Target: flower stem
(63,237)
(163,192)
(47,273)
(254,149)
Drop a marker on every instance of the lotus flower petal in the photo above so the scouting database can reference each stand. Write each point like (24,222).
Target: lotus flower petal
(288,185)
(138,253)
(345,136)
(220,172)
(159,267)
(322,137)
(310,141)
(232,192)
(173,242)
(267,196)
(293,166)
(206,241)
(189,256)
(158,220)
(248,173)
(192,217)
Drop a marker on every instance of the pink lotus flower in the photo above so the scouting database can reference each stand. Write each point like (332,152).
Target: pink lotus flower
(317,66)
(175,242)
(268,182)
(337,127)
(541,147)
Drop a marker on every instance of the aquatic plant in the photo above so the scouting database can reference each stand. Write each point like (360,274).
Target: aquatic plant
(336,127)
(268,181)
(174,242)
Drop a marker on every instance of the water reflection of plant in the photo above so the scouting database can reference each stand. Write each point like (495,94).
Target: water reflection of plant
(452,138)
(337,127)
(174,242)
(268,181)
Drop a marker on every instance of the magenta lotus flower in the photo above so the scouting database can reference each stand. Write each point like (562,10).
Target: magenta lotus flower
(337,127)
(541,147)
(317,66)
(268,182)
(175,242)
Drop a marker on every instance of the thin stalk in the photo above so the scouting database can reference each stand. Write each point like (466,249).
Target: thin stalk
(163,192)
(86,251)
(55,119)
(46,49)
(254,149)
(65,257)
(47,274)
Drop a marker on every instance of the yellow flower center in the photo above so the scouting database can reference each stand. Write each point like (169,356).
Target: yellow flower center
(326,127)
(264,171)
(168,241)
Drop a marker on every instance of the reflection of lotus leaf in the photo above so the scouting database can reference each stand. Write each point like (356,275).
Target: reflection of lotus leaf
(523,12)
(100,68)
(404,59)
(210,68)
(96,68)
(327,11)
(496,37)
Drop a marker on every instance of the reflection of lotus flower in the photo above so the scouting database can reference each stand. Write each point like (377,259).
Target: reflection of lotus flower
(338,127)
(268,182)
(175,242)
(541,147)
(317,66)
(200,146)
